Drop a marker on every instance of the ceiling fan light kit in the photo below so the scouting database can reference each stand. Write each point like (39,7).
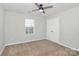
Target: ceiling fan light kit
(41,8)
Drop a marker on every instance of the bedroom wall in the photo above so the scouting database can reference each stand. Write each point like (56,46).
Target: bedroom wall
(15,28)
(1,29)
(69,27)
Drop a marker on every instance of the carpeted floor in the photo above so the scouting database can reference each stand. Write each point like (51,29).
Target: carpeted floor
(38,48)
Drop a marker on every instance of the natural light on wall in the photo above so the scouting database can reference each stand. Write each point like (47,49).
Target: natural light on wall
(29,26)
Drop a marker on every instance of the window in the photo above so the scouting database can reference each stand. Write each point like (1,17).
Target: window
(29,26)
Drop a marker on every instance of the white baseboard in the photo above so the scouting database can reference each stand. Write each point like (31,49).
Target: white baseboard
(23,42)
(67,46)
(42,39)
(2,50)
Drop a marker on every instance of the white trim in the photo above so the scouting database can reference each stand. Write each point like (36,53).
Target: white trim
(42,39)
(67,46)
(2,50)
(23,42)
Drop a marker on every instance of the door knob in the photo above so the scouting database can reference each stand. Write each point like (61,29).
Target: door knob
(51,31)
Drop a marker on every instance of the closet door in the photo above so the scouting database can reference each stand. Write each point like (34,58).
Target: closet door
(53,29)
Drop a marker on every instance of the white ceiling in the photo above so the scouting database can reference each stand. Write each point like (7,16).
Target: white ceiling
(28,7)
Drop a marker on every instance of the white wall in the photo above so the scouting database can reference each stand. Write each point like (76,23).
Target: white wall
(69,27)
(53,29)
(15,28)
(1,29)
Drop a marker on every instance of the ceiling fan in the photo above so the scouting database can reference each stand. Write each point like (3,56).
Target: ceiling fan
(41,8)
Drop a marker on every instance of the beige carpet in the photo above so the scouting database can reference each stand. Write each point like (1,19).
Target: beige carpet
(38,48)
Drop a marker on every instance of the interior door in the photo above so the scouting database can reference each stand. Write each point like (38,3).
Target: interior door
(53,29)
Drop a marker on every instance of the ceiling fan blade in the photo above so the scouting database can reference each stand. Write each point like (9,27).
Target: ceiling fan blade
(35,10)
(37,4)
(48,7)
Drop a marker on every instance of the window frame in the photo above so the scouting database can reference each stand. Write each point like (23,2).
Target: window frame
(30,26)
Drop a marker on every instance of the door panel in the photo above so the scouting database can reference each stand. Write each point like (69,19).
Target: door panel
(53,29)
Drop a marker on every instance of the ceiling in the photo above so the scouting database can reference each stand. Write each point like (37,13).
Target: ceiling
(28,7)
